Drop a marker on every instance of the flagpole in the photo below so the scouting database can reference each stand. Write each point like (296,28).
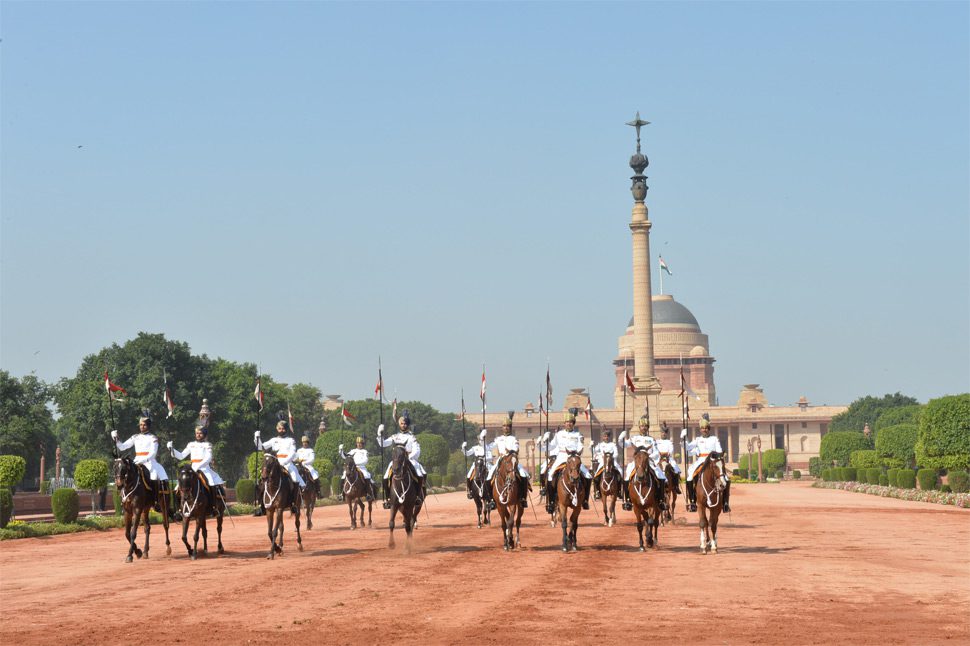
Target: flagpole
(483,394)
(111,412)
(464,440)
(380,381)
(661,272)
(259,405)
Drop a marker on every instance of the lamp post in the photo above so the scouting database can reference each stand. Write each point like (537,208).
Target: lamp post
(750,457)
(758,443)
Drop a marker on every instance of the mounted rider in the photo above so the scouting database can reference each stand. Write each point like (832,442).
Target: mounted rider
(146,448)
(666,448)
(604,448)
(645,442)
(481,451)
(701,448)
(200,452)
(404,437)
(305,455)
(505,444)
(284,446)
(567,440)
(360,458)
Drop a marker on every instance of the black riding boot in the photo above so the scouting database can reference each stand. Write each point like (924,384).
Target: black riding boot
(468,489)
(551,496)
(596,487)
(371,491)
(662,490)
(625,489)
(589,486)
(524,487)
(490,499)
(727,494)
(386,489)
(692,494)
(316,487)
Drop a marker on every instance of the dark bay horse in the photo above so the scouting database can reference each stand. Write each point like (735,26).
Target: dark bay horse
(277,494)
(507,493)
(138,496)
(710,484)
(673,489)
(309,495)
(644,495)
(196,500)
(609,489)
(405,490)
(355,493)
(480,493)
(570,492)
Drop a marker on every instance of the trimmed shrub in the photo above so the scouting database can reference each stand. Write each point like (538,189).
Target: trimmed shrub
(6,507)
(773,460)
(884,480)
(872,475)
(12,469)
(779,474)
(434,479)
(796,475)
(254,463)
(65,505)
(896,445)
(891,477)
(91,474)
(434,452)
(324,467)
(838,446)
(448,480)
(327,443)
(849,474)
(116,500)
(959,481)
(815,466)
(826,475)
(945,489)
(901,415)
(906,479)
(743,462)
(928,479)
(245,490)
(335,485)
(864,459)
(324,487)
(944,433)
(743,473)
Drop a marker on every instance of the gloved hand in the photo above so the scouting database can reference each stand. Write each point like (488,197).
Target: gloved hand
(683,433)
(482,433)
(380,430)
(340,448)
(256,436)
(463,445)
(621,437)
(545,437)
(114,435)
(168,445)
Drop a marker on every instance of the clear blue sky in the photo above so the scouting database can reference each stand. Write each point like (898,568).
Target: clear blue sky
(311,185)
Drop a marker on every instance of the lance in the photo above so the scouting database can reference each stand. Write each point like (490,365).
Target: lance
(464,440)
(111,413)
(380,381)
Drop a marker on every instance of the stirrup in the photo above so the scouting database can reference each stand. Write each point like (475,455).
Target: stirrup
(726,508)
(627,505)
(386,504)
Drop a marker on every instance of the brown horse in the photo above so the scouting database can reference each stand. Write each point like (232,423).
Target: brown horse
(609,489)
(644,495)
(196,500)
(570,493)
(308,496)
(277,493)
(710,484)
(355,490)
(507,493)
(138,496)
(672,491)
(406,494)
(480,493)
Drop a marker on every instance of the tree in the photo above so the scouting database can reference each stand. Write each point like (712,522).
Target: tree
(868,410)
(26,422)
(944,433)
(434,452)
(896,445)
(838,446)
(901,415)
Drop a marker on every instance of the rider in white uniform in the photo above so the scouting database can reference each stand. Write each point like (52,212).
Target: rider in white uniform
(360,458)
(644,441)
(702,447)
(404,437)
(505,444)
(606,447)
(483,450)
(200,452)
(567,440)
(146,448)
(305,456)
(284,446)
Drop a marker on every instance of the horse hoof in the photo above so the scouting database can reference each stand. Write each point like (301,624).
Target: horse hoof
(221,550)
(168,550)
(193,557)
(271,556)
(128,559)
(643,549)
(565,549)
(299,547)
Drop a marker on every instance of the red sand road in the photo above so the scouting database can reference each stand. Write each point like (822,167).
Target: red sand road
(796,566)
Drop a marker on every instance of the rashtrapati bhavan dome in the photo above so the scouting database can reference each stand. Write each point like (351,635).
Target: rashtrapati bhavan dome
(662,339)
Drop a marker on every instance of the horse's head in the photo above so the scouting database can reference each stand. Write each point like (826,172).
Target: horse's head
(399,457)
(572,470)
(480,468)
(186,478)
(270,466)
(608,462)
(640,461)
(349,466)
(124,471)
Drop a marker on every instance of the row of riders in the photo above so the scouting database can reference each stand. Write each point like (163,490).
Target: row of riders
(143,482)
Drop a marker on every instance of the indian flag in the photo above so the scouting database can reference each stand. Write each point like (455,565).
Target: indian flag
(664,267)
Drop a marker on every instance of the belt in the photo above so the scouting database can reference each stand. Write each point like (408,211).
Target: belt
(282,455)
(145,453)
(194,461)
(703,455)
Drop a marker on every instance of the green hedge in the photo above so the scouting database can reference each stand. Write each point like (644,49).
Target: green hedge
(839,445)
(6,506)
(448,480)
(434,452)
(12,469)
(891,477)
(815,466)
(434,479)
(254,464)
(847,474)
(896,445)
(906,479)
(91,474)
(945,489)
(944,433)
(884,480)
(873,474)
(324,467)
(773,460)
(743,473)
(959,481)
(826,474)
(327,443)
(245,490)
(65,505)
(901,415)
(335,485)
(928,479)
(796,475)
(865,459)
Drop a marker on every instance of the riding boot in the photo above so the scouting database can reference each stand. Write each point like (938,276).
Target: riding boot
(625,489)
(596,488)
(342,488)
(524,488)
(490,499)
(727,494)
(371,492)
(662,492)
(386,489)
(692,494)
(468,489)
(589,486)
(316,487)
(551,496)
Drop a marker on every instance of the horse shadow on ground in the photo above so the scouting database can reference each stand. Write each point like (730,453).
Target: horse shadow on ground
(458,548)
(586,548)
(750,549)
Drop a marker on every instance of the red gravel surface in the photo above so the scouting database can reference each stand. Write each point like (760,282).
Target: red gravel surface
(796,565)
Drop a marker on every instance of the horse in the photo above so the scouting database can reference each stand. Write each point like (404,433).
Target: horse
(710,482)
(479,490)
(405,490)
(308,496)
(277,493)
(138,496)
(355,492)
(673,489)
(507,494)
(570,491)
(643,491)
(197,500)
(609,489)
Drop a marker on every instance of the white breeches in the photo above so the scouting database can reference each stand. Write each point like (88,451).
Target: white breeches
(295,475)
(210,476)
(363,471)
(674,465)
(522,472)
(155,470)
(560,460)
(417,469)
(313,472)
(656,470)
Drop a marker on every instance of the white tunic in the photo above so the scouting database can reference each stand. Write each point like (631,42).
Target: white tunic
(666,450)
(306,456)
(146,447)
(699,449)
(506,444)
(285,449)
(410,444)
(645,442)
(201,455)
(360,460)
(476,452)
(565,442)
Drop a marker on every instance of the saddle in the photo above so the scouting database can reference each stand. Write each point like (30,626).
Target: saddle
(304,472)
